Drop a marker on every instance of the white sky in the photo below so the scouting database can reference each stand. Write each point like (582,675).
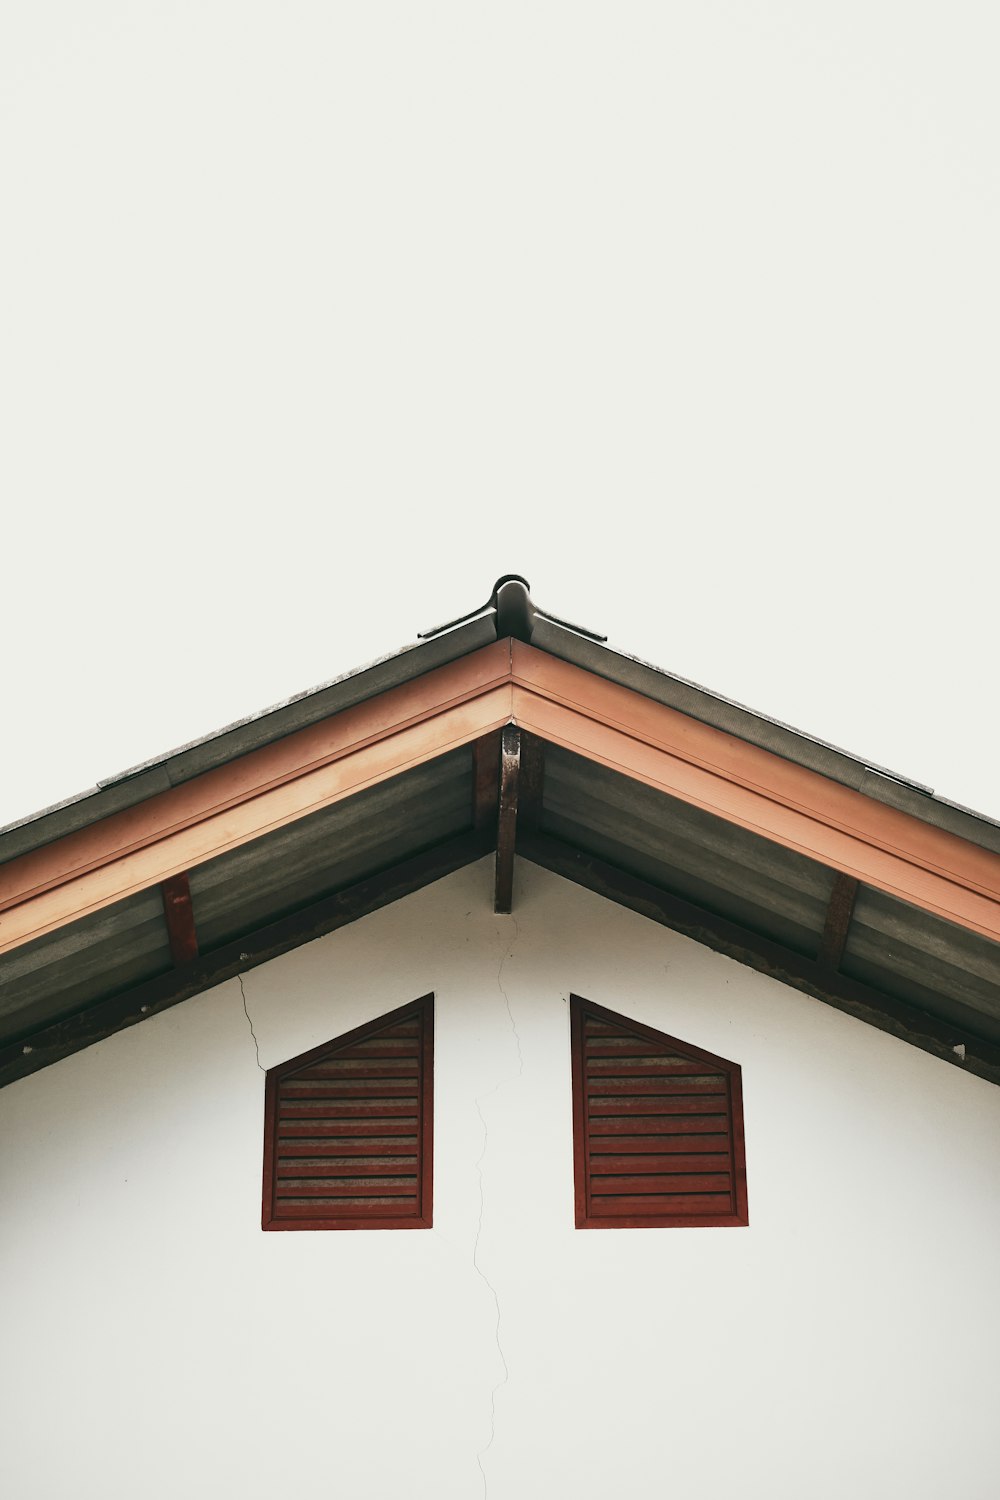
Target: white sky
(315,318)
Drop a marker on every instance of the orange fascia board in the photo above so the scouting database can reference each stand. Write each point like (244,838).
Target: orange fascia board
(758,790)
(179,829)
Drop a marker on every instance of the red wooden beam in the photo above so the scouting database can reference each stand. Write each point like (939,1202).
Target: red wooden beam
(838,920)
(179,912)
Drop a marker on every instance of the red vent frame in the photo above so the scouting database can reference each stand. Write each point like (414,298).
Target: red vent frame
(657,1128)
(356,1112)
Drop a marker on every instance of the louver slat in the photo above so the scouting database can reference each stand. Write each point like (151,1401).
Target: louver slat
(658,1128)
(347,1129)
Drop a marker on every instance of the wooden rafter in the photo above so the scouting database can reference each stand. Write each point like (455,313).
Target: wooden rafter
(838,921)
(179,914)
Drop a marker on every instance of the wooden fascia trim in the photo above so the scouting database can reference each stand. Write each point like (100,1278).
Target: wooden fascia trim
(786,803)
(508,682)
(179,829)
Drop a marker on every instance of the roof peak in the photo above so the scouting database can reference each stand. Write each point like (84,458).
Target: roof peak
(514,613)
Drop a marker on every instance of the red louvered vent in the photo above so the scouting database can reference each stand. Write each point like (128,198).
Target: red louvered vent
(347,1129)
(658,1127)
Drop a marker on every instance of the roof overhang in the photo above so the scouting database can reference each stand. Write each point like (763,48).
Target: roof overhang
(423,753)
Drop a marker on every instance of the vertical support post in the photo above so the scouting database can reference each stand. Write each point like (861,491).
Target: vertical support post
(510,767)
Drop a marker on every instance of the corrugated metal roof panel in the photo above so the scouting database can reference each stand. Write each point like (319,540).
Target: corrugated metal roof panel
(945,970)
(729,870)
(330,849)
(58,974)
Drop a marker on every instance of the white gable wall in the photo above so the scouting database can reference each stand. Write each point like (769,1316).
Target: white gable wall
(157,1343)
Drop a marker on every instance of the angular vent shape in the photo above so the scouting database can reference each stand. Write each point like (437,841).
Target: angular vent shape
(348,1129)
(657,1128)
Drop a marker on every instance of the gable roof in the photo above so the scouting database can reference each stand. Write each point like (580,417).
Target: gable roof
(844,880)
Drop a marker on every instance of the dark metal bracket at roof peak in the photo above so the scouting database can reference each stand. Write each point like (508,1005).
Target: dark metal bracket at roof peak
(514,613)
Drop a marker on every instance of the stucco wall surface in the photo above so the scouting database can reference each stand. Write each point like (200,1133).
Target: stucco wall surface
(156,1343)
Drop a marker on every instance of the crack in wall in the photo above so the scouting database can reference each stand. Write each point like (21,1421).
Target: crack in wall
(496,1301)
(507,953)
(256,1048)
